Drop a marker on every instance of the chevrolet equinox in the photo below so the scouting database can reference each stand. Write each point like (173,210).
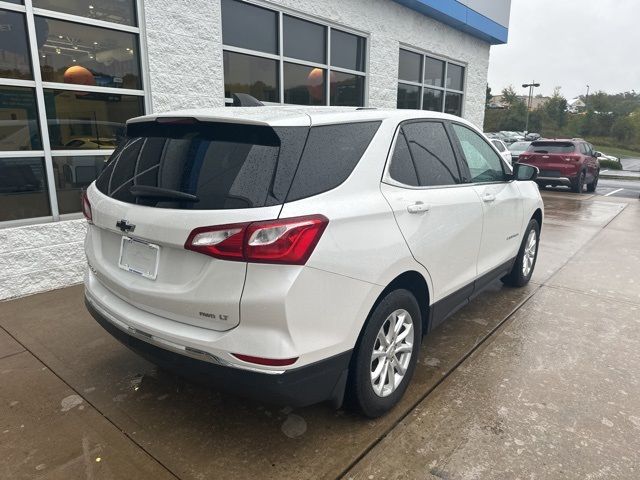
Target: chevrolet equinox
(299,255)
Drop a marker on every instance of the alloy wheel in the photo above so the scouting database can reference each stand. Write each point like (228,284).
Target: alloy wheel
(530,251)
(392,352)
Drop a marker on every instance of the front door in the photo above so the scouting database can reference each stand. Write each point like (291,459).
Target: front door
(500,199)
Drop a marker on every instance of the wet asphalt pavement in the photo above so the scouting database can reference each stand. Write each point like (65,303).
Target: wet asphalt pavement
(539,382)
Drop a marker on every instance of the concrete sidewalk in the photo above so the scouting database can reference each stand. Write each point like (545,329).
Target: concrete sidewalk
(513,365)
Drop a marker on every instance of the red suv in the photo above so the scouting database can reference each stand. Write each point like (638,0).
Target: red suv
(572,163)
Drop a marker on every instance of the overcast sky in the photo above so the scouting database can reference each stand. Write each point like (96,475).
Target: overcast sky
(571,44)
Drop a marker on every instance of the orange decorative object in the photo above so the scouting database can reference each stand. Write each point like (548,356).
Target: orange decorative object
(315,83)
(79,76)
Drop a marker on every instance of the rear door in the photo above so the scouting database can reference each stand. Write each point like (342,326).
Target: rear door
(439,216)
(168,179)
(501,200)
(591,162)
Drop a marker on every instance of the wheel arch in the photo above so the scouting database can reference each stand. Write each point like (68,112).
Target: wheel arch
(412,281)
(537,215)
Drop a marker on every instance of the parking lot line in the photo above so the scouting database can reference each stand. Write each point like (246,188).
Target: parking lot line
(611,193)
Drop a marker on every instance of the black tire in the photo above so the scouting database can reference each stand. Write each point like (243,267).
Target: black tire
(516,277)
(360,394)
(591,187)
(578,183)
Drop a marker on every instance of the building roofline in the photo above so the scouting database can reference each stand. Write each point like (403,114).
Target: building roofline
(461,17)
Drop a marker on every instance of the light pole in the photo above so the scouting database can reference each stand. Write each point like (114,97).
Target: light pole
(586,99)
(530,86)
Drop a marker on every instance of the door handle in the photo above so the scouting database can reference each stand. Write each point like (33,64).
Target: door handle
(488,197)
(418,207)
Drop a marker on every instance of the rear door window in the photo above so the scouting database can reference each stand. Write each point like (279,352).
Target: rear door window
(218,165)
(330,155)
(432,154)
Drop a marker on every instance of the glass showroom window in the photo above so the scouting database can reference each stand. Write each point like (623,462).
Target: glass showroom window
(70,77)
(429,83)
(281,58)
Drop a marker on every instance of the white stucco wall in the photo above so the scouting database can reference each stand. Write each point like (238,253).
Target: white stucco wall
(184,44)
(38,258)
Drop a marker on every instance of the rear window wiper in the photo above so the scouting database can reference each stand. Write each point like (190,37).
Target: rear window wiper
(146,191)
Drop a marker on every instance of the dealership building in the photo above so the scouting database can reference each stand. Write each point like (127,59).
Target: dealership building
(73,71)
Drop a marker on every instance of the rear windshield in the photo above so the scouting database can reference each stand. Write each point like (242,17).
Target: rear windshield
(551,147)
(211,166)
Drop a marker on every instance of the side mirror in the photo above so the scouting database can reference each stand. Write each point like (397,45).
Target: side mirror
(597,154)
(524,172)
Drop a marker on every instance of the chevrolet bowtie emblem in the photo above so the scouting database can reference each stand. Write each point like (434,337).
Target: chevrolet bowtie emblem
(125,226)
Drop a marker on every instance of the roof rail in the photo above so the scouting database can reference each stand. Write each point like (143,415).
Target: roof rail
(367,108)
(245,100)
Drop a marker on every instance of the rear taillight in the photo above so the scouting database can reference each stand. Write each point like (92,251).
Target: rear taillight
(572,158)
(289,240)
(523,157)
(86,207)
(222,241)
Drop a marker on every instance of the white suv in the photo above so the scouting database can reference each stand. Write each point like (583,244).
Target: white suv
(299,255)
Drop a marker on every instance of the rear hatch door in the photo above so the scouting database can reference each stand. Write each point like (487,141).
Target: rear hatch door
(165,180)
(548,155)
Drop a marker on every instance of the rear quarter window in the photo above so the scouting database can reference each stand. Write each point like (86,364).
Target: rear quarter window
(330,155)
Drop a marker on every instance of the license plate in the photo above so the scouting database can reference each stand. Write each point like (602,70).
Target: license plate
(139,257)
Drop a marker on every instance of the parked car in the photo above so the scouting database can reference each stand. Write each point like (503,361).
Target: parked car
(531,137)
(298,255)
(604,156)
(502,148)
(511,137)
(518,148)
(572,163)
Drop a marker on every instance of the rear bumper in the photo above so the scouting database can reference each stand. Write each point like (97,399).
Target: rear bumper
(554,180)
(324,380)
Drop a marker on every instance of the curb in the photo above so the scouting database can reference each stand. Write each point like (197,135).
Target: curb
(617,176)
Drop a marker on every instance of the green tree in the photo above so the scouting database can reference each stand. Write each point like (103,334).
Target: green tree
(623,129)
(556,109)
(510,97)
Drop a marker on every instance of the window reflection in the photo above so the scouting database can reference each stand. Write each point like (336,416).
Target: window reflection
(304,40)
(432,100)
(453,104)
(87,120)
(85,55)
(14,50)
(409,66)
(18,119)
(408,96)
(455,77)
(116,11)
(304,85)
(433,71)
(23,189)
(347,50)
(72,174)
(253,75)
(346,89)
